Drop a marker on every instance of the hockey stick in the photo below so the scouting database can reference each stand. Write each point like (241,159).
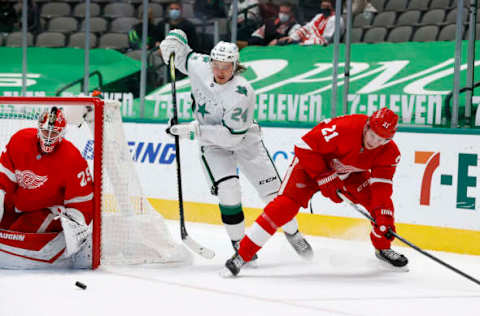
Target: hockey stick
(187,240)
(367,215)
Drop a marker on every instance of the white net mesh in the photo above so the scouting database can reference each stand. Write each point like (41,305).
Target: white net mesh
(132,232)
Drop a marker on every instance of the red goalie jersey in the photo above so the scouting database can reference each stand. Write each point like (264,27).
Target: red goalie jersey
(34,181)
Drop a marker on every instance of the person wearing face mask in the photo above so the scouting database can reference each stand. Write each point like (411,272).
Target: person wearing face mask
(177,21)
(319,31)
(284,24)
(353,154)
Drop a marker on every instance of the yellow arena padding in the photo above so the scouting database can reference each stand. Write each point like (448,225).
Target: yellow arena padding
(427,237)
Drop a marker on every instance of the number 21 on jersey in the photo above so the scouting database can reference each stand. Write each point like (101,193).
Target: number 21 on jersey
(329,132)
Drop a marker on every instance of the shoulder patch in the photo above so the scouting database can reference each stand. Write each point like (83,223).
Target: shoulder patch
(241,90)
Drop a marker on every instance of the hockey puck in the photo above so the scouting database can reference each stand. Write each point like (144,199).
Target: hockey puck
(81,285)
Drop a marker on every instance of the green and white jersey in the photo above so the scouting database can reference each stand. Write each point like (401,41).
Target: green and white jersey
(230,105)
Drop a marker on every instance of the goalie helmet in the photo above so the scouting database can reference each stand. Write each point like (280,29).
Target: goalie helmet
(227,52)
(384,122)
(51,129)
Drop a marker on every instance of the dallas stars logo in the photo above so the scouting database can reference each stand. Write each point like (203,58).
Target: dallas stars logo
(202,110)
(242,90)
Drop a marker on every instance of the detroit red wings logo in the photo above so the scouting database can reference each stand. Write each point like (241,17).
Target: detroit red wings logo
(27,179)
(338,166)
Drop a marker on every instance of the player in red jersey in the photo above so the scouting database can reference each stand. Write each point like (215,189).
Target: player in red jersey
(46,196)
(354,154)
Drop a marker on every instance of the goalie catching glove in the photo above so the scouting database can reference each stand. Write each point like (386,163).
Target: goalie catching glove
(75,230)
(187,130)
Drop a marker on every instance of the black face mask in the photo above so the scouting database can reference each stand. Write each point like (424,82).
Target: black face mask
(325,12)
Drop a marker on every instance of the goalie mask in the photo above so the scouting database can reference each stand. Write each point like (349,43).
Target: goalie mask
(226,52)
(51,129)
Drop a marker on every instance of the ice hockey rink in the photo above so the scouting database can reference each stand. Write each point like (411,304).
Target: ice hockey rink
(344,279)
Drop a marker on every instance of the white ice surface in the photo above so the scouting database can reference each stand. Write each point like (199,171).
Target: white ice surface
(344,279)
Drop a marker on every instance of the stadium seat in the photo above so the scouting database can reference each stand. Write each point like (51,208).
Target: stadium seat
(54,9)
(188,11)
(418,5)
(14,39)
(114,41)
(400,34)
(434,16)
(396,5)
(452,16)
(385,19)
(97,25)
(63,24)
(440,4)
(426,33)
(78,40)
(375,35)
(79,10)
(117,10)
(356,35)
(50,39)
(123,24)
(410,17)
(157,10)
(378,4)
(449,33)
(360,20)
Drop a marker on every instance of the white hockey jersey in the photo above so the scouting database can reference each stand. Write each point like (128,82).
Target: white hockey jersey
(224,112)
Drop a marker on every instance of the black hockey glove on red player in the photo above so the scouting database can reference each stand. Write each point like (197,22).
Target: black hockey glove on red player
(329,183)
(384,222)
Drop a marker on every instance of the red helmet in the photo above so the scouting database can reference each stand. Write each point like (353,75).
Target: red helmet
(51,129)
(384,122)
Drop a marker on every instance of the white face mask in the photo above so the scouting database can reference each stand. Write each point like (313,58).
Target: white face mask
(283,17)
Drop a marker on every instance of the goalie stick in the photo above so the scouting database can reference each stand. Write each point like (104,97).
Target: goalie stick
(408,243)
(187,240)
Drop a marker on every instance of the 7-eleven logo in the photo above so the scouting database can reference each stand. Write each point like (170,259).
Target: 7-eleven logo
(431,160)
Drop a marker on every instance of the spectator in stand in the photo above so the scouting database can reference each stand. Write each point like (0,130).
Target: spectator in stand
(248,19)
(177,21)
(319,30)
(275,28)
(8,17)
(33,16)
(209,9)
(136,33)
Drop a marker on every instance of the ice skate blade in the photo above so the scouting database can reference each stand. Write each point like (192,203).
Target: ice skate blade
(226,274)
(393,268)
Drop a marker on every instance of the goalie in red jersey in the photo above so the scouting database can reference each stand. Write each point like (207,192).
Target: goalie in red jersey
(354,154)
(46,198)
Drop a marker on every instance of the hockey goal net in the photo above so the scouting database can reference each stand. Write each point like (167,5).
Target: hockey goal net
(126,228)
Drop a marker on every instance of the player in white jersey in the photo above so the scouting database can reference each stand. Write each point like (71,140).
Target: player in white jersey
(229,138)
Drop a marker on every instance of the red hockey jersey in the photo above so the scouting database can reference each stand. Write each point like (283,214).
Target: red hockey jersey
(34,181)
(337,145)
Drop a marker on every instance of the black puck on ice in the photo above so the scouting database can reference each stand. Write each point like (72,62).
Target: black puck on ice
(81,285)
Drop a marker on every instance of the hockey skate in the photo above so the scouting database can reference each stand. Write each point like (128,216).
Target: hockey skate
(300,244)
(233,266)
(392,257)
(252,263)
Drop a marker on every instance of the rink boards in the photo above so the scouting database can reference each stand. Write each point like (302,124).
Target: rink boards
(436,191)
